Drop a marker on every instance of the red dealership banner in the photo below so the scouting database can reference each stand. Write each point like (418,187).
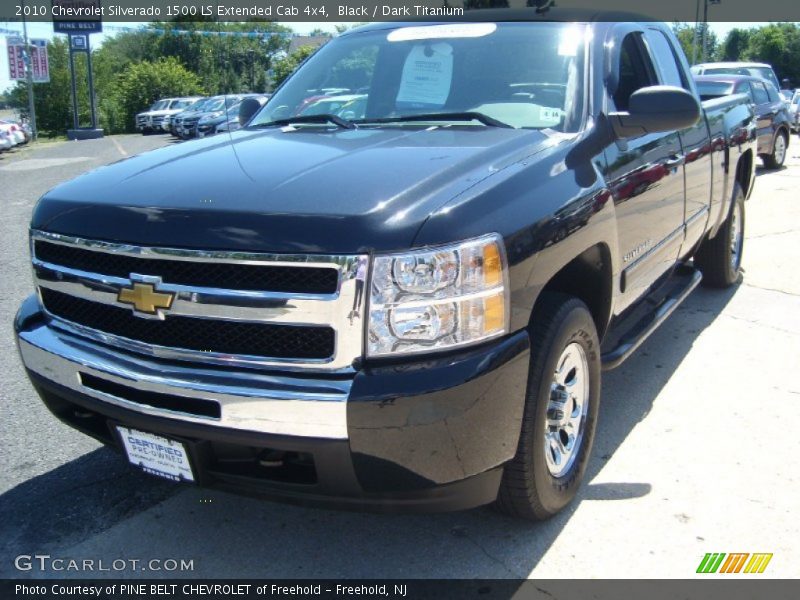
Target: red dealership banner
(39,61)
(16,57)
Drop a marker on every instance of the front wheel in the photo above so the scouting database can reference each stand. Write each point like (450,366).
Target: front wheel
(561,411)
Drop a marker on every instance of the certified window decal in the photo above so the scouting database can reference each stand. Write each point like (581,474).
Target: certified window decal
(427,75)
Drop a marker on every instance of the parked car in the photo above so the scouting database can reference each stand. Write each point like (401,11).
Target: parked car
(209,122)
(215,105)
(774,122)
(794,111)
(141,118)
(233,123)
(24,135)
(159,120)
(176,120)
(5,140)
(153,118)
(753,69)
(14,131)
(408,311)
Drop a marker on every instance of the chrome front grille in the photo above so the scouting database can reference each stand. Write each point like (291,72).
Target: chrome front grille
(230,308)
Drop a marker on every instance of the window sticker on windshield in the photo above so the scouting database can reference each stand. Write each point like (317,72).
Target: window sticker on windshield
(550,115)
(427,75)
(464,30)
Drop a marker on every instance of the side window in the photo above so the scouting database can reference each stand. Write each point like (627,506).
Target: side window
(772,93)
(635,70)
(669,69)
(744,88)
(760,95)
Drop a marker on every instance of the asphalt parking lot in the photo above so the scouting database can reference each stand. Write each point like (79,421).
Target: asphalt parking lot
(696,451)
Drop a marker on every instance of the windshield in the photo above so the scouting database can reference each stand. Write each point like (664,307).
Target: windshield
(181,104)
(765,73)
(160,105)
(713,89)
(218,103)
(197,105)
(522,74)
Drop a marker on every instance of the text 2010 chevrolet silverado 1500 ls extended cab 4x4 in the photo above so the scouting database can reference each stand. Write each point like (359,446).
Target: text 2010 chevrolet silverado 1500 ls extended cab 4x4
(401,308)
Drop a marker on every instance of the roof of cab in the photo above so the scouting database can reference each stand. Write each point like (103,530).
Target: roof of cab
(499,15)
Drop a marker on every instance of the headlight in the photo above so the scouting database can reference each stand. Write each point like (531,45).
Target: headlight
(438,298)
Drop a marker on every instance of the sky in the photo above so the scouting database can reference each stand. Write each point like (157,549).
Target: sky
(45,30)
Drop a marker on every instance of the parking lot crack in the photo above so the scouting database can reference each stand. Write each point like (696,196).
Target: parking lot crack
(493,558)
(772,233)
(767,289)
(762,324)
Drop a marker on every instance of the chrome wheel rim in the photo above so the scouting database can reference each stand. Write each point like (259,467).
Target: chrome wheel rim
(737,236)
(566,410)
(780,149)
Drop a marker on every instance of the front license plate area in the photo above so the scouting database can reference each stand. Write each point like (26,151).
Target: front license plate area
(156,455)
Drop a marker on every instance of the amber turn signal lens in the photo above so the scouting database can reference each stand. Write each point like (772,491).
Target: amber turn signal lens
(492,265)
(494,313)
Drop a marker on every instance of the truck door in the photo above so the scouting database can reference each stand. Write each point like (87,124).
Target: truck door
(645,176)
(764,116)
(698,148)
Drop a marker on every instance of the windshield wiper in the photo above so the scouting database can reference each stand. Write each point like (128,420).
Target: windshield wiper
(453,116)
(321,119)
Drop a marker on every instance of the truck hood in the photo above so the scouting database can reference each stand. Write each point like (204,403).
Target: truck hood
(284,190)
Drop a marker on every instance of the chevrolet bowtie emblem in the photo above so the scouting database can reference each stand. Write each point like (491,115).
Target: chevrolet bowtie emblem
(145,298)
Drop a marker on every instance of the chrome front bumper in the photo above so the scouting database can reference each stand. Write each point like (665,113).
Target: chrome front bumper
(249,400)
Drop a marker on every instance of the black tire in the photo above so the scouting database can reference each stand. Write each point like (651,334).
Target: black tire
(777,158)
(528,489)
(715,257)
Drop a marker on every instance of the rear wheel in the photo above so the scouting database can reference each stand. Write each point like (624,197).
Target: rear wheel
(720,258)
(778,156)
(561,410)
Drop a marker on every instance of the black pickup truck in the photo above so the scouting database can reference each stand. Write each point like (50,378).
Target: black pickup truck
(406,305)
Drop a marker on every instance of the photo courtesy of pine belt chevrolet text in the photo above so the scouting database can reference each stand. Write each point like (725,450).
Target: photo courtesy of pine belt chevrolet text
(403,300)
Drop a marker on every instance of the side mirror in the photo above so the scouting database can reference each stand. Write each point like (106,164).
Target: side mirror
(247,109)
(655,109)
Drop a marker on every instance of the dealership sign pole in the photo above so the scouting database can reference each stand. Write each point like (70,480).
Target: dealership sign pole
(29,75)
(78,32)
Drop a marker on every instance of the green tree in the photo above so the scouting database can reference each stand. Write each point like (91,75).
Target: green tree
(685,32)
(777,44)
(144,82)
(223,57)
(285,66)
(735,44)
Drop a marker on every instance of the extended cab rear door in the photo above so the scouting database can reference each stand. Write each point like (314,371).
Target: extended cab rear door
(697,146)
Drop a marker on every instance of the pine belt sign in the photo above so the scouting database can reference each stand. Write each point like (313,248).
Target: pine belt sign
(77,16)
(40,64)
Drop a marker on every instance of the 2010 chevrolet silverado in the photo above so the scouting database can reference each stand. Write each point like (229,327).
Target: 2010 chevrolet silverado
(404,306)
